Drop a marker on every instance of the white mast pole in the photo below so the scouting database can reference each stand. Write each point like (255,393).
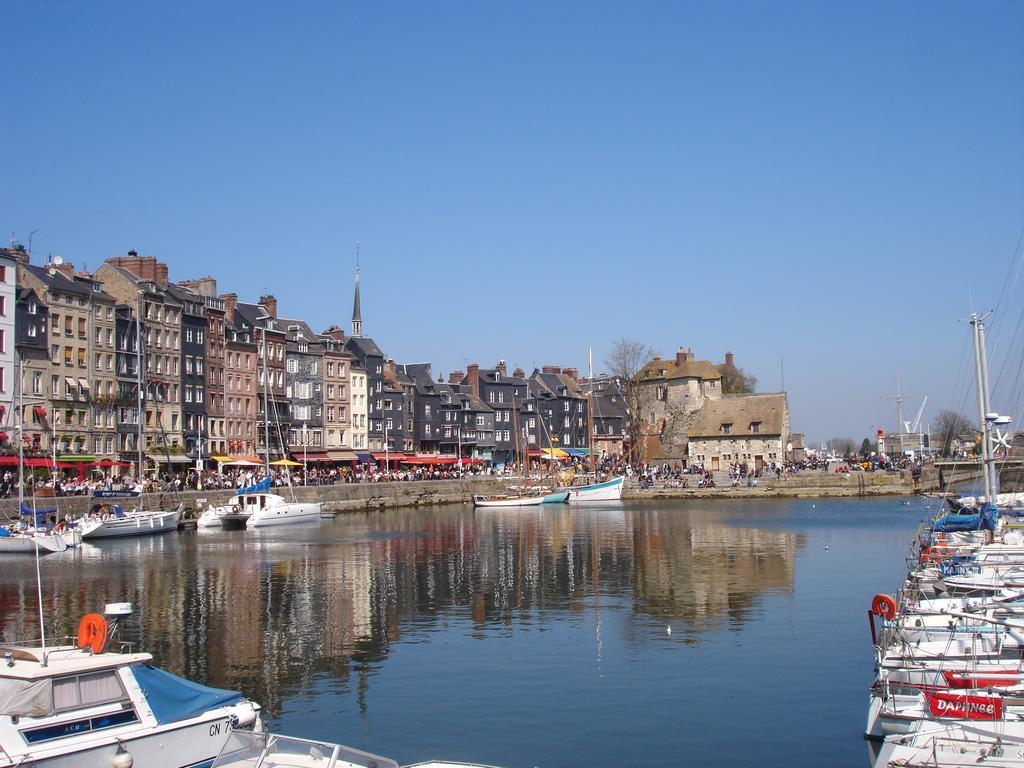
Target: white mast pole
(21,498)
(979,366)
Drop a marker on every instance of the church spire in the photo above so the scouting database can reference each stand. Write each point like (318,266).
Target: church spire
(357,317)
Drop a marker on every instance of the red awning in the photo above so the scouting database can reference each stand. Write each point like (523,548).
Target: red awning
(310,456)
(48,463)
(8,461)
(390,456)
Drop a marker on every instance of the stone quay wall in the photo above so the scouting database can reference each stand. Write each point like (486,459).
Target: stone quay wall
(343,497)
(347,497)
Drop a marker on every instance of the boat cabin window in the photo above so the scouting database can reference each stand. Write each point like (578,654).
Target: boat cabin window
(88,690)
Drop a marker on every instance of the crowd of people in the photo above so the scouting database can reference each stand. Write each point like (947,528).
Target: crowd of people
(646,475)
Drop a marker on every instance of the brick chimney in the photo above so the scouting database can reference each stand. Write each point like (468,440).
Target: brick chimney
(681,356)
(551,369)
(728,358)
(269,303)
(66,268)
(572,373)
(519,373)
(230,302)
(204,286)
(389,370)
(455,377)
(143,267)
(501,368)
(473,378)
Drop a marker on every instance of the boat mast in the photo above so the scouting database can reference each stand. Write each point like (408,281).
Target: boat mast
(590,413)
(21,499)
(981,372)
(266,407)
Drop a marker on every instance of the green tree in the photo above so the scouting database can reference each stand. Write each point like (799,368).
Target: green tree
(865,447)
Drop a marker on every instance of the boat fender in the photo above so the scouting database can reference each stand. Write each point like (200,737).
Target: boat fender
(92,632)
(105,516)
(884,606)
(123,758)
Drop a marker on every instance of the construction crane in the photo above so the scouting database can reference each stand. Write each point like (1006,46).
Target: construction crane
(913,426)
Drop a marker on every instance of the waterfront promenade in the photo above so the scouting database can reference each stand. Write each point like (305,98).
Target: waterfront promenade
(347,497)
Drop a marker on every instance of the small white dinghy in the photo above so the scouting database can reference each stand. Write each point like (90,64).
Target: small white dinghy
(245,749)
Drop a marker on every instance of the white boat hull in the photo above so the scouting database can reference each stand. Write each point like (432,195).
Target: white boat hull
(190,744)
(28,545)
(610,490)
(507,501)
(132,524)
(284,514)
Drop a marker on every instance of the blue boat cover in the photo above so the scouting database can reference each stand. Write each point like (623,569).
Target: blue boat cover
(263,486)
(983,520)
(951,523)
(174,698)
(41,514)
(4,532)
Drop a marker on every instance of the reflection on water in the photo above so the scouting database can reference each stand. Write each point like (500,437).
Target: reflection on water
(271,612)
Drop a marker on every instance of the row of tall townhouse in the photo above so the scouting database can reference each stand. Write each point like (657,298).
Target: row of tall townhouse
(95,347)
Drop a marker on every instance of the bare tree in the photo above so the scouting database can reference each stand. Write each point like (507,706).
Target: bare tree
(948,426)
(624,362)
(841,446)
(736,381)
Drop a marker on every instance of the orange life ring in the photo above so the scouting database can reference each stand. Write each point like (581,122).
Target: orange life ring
(92,632)
(235,509)
(884,606)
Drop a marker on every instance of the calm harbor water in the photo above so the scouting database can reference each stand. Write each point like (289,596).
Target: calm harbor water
(520,638)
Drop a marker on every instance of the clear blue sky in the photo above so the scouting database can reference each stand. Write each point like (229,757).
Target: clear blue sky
(833,183)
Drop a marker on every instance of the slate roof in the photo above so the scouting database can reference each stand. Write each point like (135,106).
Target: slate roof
(58,281)
(366,346)
(741,411)
(298,329)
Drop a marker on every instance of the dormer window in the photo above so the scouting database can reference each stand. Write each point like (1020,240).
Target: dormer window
(755,427)
(726,429)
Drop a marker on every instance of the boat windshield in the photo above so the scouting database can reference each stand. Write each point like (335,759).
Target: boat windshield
(246,749)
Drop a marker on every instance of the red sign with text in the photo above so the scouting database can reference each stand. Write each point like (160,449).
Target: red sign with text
(964,707)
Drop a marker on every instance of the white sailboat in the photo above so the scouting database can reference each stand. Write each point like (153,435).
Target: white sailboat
(30,541)
(262,508)
(608,490)
(107,519)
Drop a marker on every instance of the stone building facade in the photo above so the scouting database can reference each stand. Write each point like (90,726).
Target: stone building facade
(133,280)
(240,390)
(336,386)
(672,392)
(751,430)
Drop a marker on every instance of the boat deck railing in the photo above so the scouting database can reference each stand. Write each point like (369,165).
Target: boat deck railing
(61,642)
(250,749)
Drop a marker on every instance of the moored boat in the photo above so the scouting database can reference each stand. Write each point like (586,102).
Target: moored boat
(30,542)
(106,521)
(94,702)
(266,509)
(609,490)
(246,749)
(500,500)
